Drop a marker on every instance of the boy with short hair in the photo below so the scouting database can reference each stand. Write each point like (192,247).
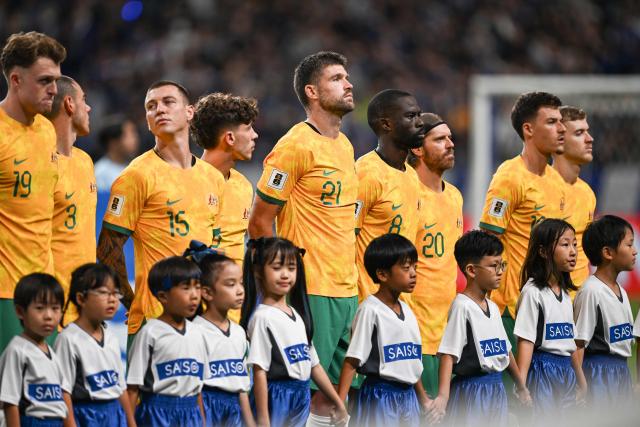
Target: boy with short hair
(604,323)
(475,346)
(31,379)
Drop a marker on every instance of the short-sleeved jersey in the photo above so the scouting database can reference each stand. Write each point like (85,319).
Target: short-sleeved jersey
(279,344)
(313,178)
(74,219)
(167,361)
(163,208)
(580,208)
(603,320)
(31,380)
(636,326)
(234,216)
(28,176)
(386,344)
(227,353)
(546,320)
(517,199)
(91,369)
(388,202)
(439,228)
(477,340)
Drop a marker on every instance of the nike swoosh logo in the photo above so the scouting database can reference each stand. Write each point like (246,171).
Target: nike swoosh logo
(68,196)
(328,172)
(16,162)
(426,227)
(172,202)
(537,208)
(395,207)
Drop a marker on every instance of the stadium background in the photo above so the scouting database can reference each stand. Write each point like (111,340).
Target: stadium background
(430,48)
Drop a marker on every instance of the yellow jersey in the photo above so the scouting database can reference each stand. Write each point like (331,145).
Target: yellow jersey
(74,219)
(162,208)
(439,228)
(234,216)
(388,202)
(581,206)
(314,180)
(517,199)
(28,176)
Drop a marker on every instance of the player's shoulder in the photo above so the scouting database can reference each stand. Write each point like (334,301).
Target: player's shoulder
(513,170)
(81,157)
(239,179)
(370,166)
(299,137)
(207,169)
(453,191)
(585,188)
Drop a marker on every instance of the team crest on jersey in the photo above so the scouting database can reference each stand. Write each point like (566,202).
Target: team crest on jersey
(277,179)
(212,200)
(359,204)
(245,214)
(93,187)
(54,157)
(498,207)
(562,204)
(459,223)
(115,204)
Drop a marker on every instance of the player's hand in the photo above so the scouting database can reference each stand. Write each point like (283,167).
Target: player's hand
(340,416)
(426,405)
(438,409)
(581,395)
(524,397)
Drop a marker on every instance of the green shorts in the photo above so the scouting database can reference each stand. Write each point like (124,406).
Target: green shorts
(430,379)
(11,324)
(332,319)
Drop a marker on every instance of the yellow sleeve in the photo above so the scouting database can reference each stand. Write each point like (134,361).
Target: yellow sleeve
(281,170)
(503,196)
(127,199)
(368,193)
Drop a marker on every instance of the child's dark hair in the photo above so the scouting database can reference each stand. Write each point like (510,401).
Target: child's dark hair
(170,272)
(607,231)
(87,277)
(262,252)
(208,260)
(475,245)
(538,264)
(386,251)
(37,287)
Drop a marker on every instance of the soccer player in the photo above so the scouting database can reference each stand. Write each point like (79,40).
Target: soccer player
(439,227)
(28,165)
(74,218)
(165,198)
(388,188)
(309,183)
(525,190)
(579,197)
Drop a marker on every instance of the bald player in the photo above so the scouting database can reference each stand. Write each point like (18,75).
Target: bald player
(74,219)
(440,226)
(28,165)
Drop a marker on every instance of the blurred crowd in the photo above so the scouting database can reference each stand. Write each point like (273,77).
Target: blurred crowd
(430,48)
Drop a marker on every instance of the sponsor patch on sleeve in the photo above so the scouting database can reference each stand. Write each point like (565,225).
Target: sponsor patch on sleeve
(277,179)
(498,207)
(115,204)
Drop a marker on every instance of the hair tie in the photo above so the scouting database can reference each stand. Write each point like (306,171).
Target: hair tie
(198,250)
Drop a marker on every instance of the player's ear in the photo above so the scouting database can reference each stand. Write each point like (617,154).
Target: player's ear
(527,130)
(68,105)
(542,252)
(19,312)
(190,110)
(607,253)
(383,275)
(162,297)
(385,125)
(418,152)
(311,91)
(229,138)
(470,271)
(14,78)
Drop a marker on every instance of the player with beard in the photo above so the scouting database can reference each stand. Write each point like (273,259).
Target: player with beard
(388,188)
(439,227)
(309,187)
(74,217)
(524,191)
(580,198)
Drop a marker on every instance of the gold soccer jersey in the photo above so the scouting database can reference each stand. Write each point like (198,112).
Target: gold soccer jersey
(163,208)
(313,178)
(28,175)
(581,205)
(388,202)
(234,216)
(439,228)
(517,199)
(74,219)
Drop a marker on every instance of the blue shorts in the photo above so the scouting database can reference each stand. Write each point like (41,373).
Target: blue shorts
(552,384)
(99,413)
(289,402)
(386,403)
(608,380)
(474,398)
(157,410)
(27,421)
(221,408)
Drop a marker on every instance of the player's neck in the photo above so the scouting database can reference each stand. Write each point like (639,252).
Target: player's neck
(534,160)
(90,326)
(177,322)
(221,160)
(174,151)
(475,292)
(429,178)
(65,135)
(389,298)
(36,339)
(216,316)
(568,170)
(12,107)
(327,123)
(392,155)
(607,274)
